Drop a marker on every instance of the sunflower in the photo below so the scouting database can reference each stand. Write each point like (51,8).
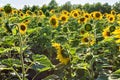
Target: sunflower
(111,18)
(88,39)
(64,18)
(21,14)
(28,12)
(22,28)
(60,57)
(113,12)
(52,11)
(1,9)
(116,34)
(65,12)
(82,20)
(106,32)
(54,21)
(97,15)
(87,15)
(40,13)
(14,12)
(75,14)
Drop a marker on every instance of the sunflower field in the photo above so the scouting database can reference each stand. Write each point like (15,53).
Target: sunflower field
(59,44)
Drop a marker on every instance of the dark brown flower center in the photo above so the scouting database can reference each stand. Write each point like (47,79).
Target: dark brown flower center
(86,39)
(53,21)
(22,27)
(63,18)
(97,15)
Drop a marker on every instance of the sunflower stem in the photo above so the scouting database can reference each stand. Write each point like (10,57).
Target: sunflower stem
(22,58)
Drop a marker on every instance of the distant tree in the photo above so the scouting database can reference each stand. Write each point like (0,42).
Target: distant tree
(44,8)
(106,8)
(116,7)
(86,7)
(34,8)
(8,8)
(67,6)
(25,8)
(52,5)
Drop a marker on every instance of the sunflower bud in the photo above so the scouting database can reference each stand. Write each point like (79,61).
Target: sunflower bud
(112,28)
(88,27)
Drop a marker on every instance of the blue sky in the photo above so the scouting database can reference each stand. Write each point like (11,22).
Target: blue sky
(21,3)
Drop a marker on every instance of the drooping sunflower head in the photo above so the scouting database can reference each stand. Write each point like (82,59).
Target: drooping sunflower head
(82,20)
(60,56)
(54,21)
(88,39)
(97,15)
(22,28)
(111,18)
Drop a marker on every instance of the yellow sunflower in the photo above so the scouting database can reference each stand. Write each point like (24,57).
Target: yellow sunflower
(52,11)
(87,15)
(82,20)
(40,13)
(113,12)
(14,12)
(75,14)
(97,15)
(22,28)
(65,12)
(54,21)
(106,32)
(88,39)
(60,57)
(64,18)
(111,18)
(28,12)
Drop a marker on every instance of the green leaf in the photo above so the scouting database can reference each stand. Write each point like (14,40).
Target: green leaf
(11,62)
(117,72)
(41,62)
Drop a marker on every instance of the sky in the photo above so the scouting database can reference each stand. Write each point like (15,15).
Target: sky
(20,3)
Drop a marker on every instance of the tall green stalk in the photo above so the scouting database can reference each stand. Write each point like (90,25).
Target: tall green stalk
(22,58)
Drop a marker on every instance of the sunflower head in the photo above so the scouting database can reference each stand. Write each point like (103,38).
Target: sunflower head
(28,12)
(65,12)
(22,28)
(40,13)
(113,12)
(75,14)
(60,56)
(54,21)
(87,15)
(97,15)
(64,18)
(82,20)
(14,12)
(88,27)
(106,32)
(111,18)
(88,39)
